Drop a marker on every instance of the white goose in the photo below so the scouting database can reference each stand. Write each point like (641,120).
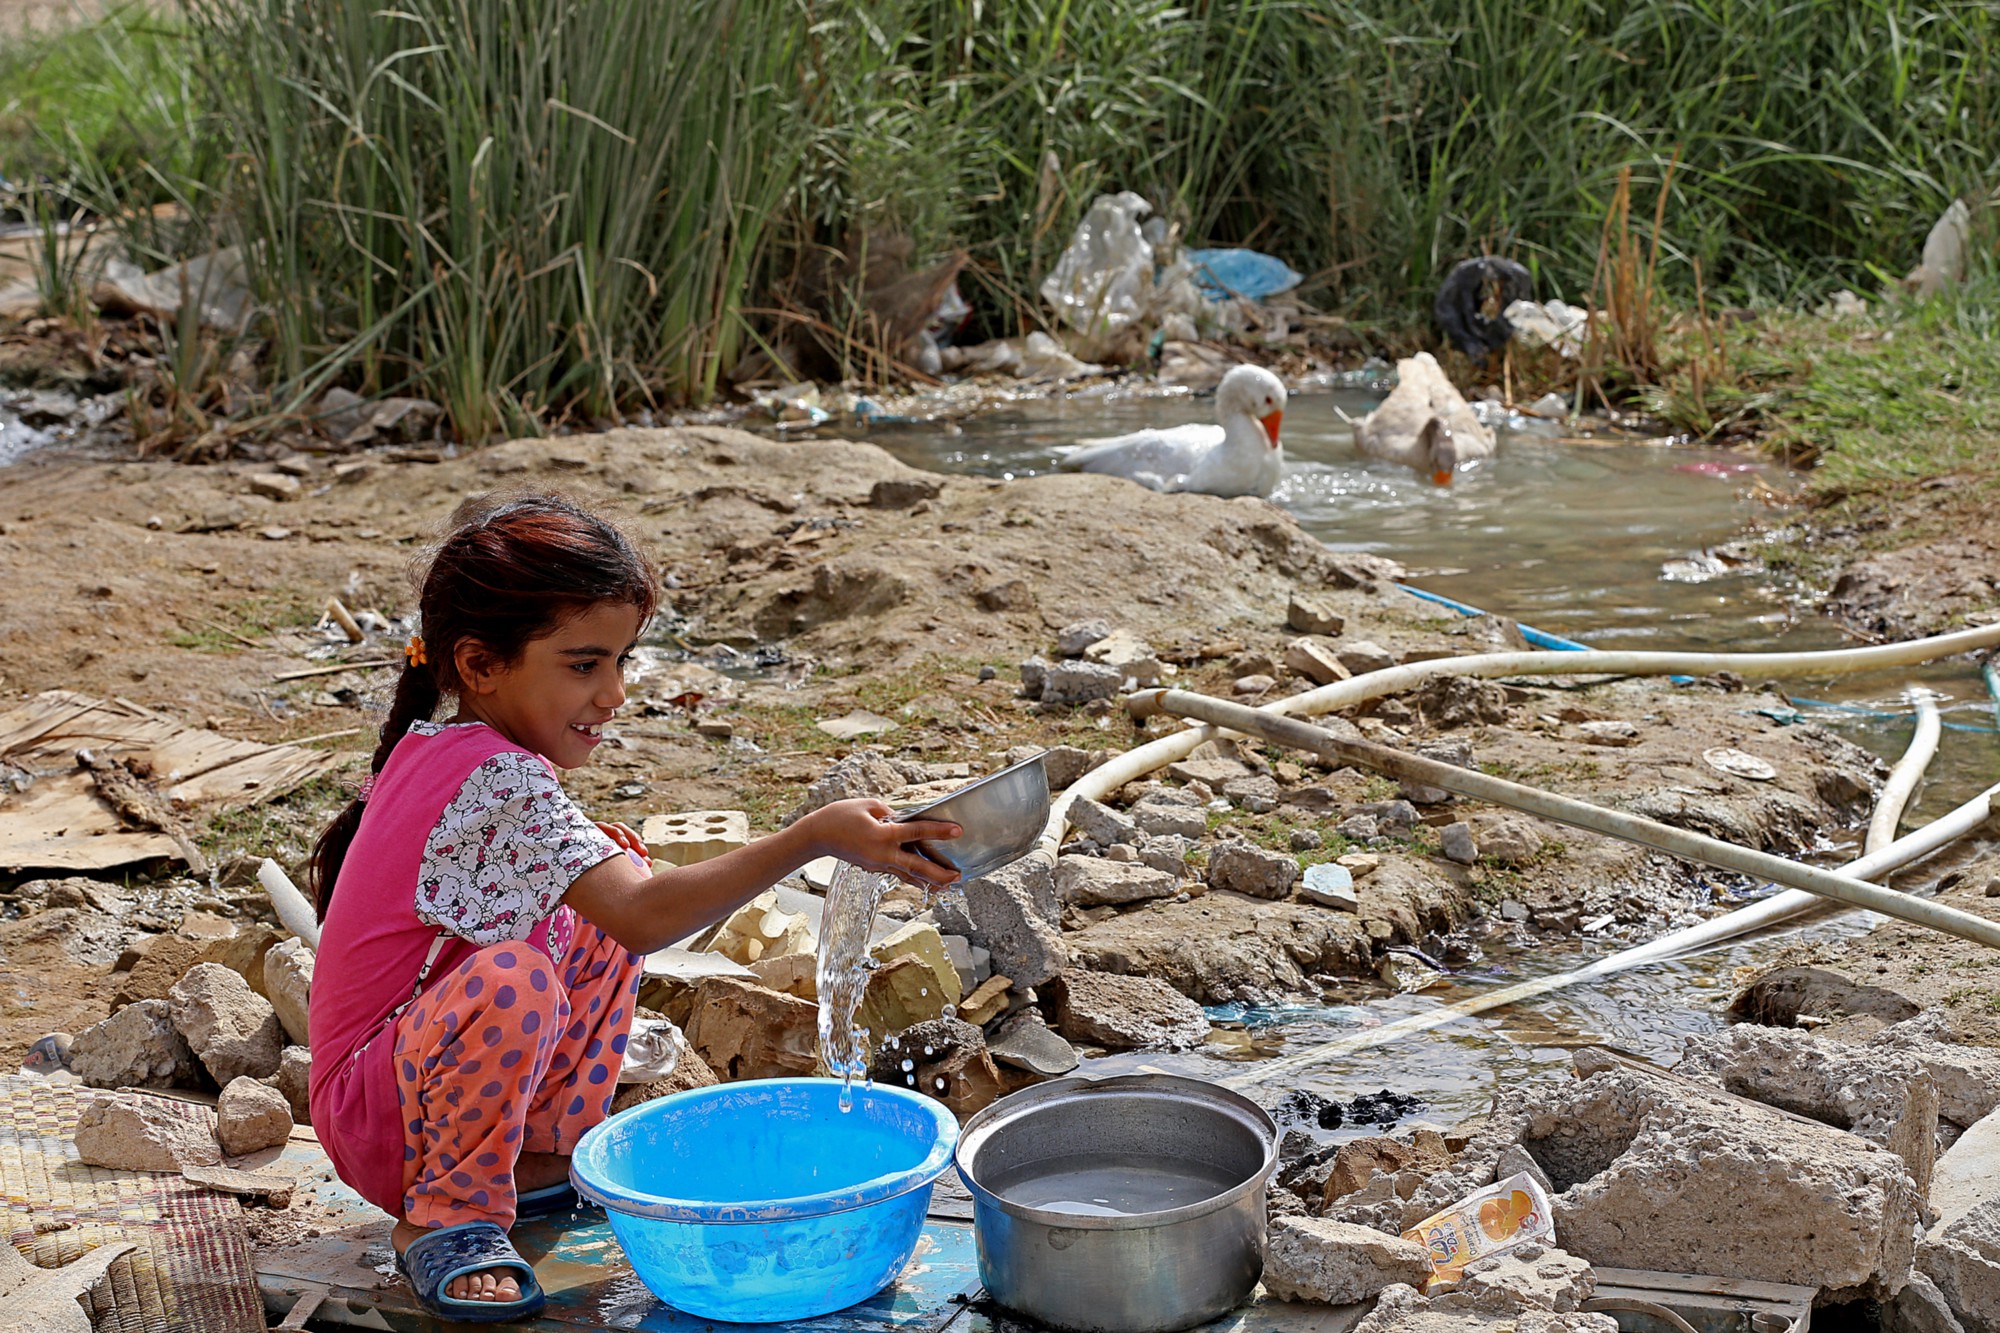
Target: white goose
(1424,423)
(1240,456)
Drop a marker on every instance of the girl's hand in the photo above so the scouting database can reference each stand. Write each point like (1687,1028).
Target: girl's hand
(865,833)
(628,841)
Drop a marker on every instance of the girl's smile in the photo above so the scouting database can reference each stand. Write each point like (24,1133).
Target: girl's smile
(557,697)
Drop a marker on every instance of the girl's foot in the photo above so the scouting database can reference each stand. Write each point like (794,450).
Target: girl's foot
(534,1170)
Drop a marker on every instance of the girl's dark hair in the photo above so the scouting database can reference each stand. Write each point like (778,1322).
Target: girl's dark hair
(509,570)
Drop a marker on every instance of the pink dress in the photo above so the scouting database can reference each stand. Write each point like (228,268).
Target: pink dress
(466,840)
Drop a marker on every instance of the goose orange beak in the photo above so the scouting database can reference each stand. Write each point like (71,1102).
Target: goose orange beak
(1270,425)
(1441,478)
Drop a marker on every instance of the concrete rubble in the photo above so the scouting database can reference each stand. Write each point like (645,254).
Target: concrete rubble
(251,1116)
(132,1132)
(1334,1263)
(234,1031)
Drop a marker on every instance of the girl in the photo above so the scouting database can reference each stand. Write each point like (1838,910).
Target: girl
(481,940)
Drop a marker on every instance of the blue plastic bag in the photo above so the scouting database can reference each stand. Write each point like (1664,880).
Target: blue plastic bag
(1222,274)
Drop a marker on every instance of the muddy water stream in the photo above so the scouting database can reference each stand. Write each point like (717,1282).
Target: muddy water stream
(1617,543)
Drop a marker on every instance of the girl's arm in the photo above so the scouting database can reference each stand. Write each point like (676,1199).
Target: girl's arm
(646,913)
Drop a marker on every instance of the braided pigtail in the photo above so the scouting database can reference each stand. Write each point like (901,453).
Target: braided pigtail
(416,700)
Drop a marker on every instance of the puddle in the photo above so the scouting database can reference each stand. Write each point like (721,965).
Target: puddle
(1611,542)
(34,420)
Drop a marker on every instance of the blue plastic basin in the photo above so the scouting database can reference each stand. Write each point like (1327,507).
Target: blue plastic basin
(763,1201)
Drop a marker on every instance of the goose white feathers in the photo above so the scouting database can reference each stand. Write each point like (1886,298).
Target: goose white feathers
(1241,455)
(1425,423)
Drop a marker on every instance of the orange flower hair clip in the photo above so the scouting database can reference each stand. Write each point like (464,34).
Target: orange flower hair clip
(413,651)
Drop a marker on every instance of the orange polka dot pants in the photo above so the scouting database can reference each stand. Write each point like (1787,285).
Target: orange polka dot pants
(506,1054)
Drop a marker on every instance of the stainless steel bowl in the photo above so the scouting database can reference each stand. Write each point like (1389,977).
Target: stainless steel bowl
(1141,1272)
(1002,814)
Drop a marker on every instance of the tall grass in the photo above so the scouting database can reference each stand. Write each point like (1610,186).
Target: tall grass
(538,209)
(525,210)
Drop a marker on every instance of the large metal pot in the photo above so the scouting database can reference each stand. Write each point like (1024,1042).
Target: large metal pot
(1146,1272)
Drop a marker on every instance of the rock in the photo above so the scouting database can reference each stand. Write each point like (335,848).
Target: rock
(902,492)
(1080,682)
(1313,615)
(1884,1096)
(85,935)
(1316,659)
(1066,763)
(1445,702)
(242,952)
(1222,946)
(166,960)
(1920,1308)
(294,1082)
(1657,1175)
(901,993)
(1009,595)
(1307,840)
(1252,870)
(1507,838)
(1612,731)
(1254,684)
(792,974)
(1213,773)
(275,486)
(987,1001)
(1012,912)
(1122,851)
(1961,1255)
(1969,1171)
(1124,1013)
(1330,885)
(1359,828)
(921,940)
(1528,1278)
(742,1030)
(1455,841)
(130,1132)
(1401,1310)
(1089,881)
(234,1031)
(690,1071)
(761,929)
(1776,998)
(1034,677)
(1967,1075)
(863,773)
(1516,1160)
(1363,657)
(1131,656)
(1391,816)
(1025,1042)
(1158,820)
(1100,823)
(1456,753)
(1257,793)
(137,1047)
(288,975)
(1167,852)
(251,1116)
(1073,638)
(948,1060)
(1335,1263)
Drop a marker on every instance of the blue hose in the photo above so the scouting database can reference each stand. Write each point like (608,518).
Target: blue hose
(1537,638)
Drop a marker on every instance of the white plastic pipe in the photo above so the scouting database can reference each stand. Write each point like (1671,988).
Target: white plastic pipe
(1667,838)
(1137,763)
(1680,943)
(293,910)
(1909,771)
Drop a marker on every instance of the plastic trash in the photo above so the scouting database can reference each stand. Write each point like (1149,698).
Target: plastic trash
(1101,283)
(1226,273)
(1556,324)
(1500,1217)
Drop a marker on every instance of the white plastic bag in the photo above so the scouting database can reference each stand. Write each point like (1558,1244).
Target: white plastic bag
(1557,324)
(1103,281)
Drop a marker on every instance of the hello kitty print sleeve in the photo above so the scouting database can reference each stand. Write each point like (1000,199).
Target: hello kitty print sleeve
(504,852)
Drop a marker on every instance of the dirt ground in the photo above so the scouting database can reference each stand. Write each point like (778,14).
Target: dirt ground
(809,579)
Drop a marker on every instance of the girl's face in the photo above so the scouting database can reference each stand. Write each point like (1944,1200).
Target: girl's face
(563,689)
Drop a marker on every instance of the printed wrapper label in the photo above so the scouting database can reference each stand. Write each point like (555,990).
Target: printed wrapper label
(1513,1212)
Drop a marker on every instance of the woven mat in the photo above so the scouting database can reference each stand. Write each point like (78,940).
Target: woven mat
(192,1269)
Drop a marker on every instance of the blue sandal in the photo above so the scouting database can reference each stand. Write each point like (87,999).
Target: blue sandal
(439,1255)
